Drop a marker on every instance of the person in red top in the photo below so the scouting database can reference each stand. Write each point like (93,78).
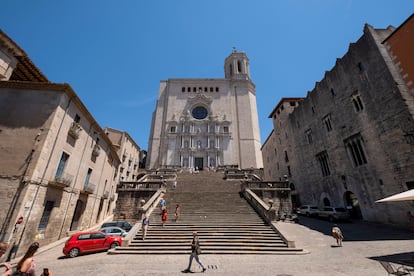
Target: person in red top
(164,216)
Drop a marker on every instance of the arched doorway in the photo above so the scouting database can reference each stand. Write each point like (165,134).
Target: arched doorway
(352,204)
(326,202)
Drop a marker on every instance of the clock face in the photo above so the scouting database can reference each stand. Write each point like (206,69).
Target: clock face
(199,112)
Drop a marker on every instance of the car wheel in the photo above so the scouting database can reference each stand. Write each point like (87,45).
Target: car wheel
(74,252)
(114,244)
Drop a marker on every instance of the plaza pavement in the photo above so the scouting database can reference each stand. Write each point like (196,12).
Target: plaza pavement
(364,244)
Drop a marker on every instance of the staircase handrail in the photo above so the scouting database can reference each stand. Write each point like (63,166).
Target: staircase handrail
(147,210)
(268,213)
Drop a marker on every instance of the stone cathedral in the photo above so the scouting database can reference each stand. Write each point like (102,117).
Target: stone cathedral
(207,123)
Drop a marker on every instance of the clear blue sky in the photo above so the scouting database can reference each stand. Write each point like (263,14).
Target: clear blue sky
(114,53)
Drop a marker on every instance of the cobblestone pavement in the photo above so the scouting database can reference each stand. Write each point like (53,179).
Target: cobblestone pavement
(364,244)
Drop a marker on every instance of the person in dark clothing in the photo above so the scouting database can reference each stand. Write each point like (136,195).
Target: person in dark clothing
(195,251)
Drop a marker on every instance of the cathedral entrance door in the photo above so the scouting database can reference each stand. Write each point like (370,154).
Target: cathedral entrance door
(198,162)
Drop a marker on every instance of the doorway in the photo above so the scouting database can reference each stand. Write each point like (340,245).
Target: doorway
(352,205)
(198,163)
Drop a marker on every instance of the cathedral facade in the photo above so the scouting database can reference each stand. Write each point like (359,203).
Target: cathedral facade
(207,123)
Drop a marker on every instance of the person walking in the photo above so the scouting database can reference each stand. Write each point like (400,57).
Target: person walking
(27,263)
(163,203)
(337,234)
(177,212)
(195,251)
(164,216)
(145,224)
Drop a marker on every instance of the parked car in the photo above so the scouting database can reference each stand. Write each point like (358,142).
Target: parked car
(308,210)
(86,242)
(334,213)
(121,224)
(114,231)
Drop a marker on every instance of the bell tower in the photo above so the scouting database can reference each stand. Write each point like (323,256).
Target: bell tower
(236,66)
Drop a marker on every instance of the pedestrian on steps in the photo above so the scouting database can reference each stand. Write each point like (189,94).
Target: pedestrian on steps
(177,212)
(163,204)
(164,216)
(144,228)
(195,251)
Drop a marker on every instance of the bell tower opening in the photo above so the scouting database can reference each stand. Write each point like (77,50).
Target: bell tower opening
(236,66)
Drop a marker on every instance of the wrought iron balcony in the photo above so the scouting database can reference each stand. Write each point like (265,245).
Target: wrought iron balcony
(74,130)
(63,180)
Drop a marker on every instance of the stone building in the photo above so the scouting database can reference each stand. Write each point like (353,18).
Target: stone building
(201,123)
(58,167)
(350,141)
(130,154)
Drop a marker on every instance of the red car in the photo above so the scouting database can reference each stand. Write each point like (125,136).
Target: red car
(85,242)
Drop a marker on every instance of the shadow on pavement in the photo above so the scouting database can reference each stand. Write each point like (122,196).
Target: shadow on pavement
(405,258)
(359,230)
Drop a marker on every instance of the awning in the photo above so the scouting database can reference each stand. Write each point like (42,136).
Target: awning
(408,195)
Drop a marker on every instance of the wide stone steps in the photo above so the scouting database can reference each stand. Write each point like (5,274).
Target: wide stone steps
(225,222)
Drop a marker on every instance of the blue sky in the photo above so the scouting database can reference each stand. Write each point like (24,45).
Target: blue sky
(114,53)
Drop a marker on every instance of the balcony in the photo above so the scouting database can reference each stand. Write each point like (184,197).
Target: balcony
(88,188)
(62,181)
(74,130)
(96,150)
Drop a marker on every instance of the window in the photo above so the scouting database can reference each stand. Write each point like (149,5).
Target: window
(62,164)
(77,119)
(173,129)
(88,176)
(327,122)
(292,103)
(183,89)
(46,215)
(332,92)
(324,163)
(309,136)
(217,89)
(188,89)
(361,67)
(194,89)
(211,89)
(226,129)
(357,102)
(286,157)
(355,149)
(205,89)
(199,112)
(289,171)
(239,68)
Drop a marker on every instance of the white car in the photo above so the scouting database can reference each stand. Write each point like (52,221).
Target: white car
(114,231)
(308,210)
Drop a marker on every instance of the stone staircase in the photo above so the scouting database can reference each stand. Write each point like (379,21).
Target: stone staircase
(225,222)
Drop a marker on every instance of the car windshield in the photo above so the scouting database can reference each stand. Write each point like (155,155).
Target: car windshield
(314,207)
(340,209)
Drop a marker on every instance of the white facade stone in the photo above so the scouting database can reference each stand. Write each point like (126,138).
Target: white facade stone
(201,123)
